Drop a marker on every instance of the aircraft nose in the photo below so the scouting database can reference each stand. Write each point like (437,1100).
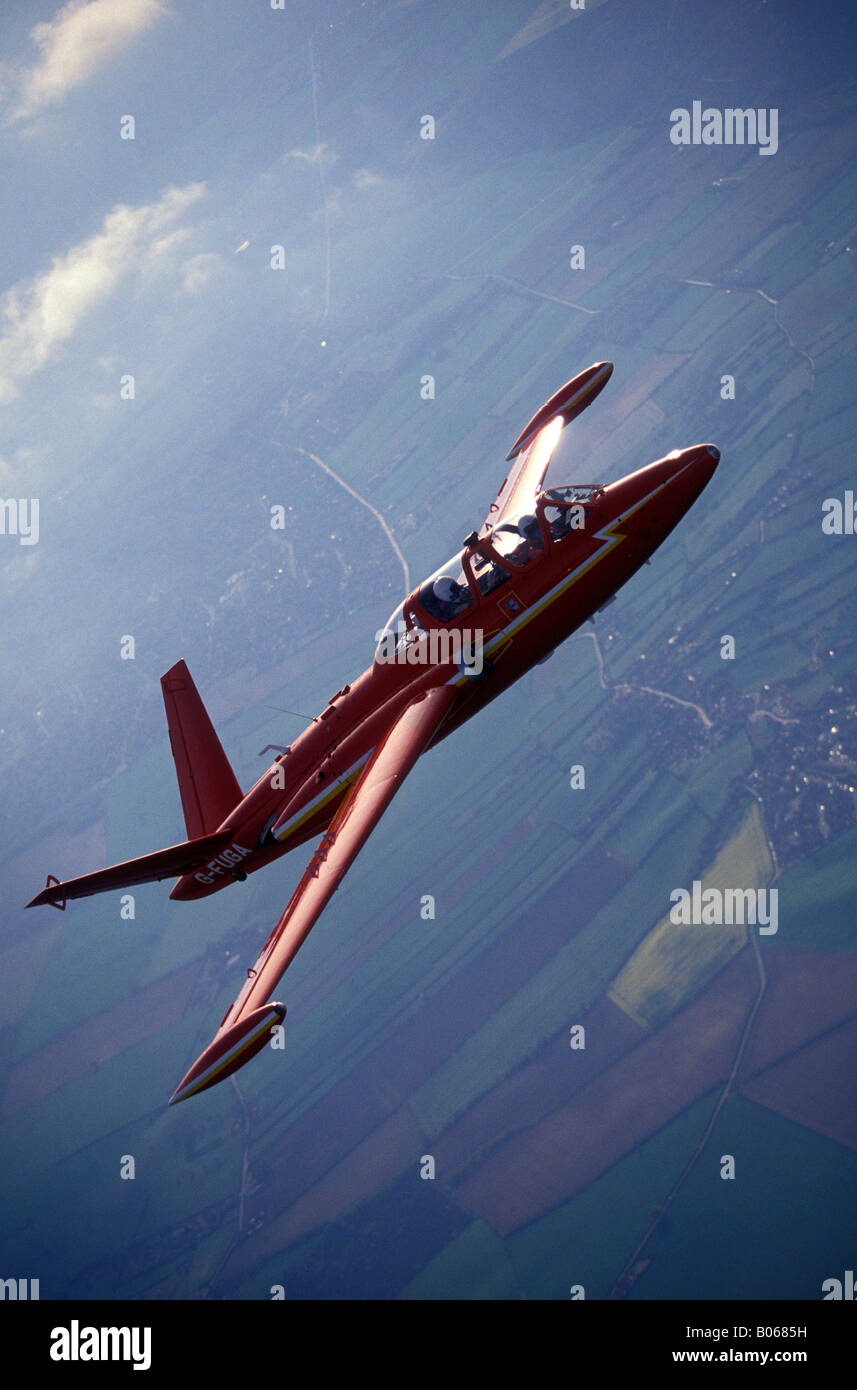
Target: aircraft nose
(704,459)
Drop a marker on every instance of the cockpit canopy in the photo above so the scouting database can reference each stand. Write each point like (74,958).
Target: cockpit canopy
(470,576)
(446,594)
(582,493)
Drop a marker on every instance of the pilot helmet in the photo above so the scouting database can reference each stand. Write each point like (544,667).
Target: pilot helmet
(444,589)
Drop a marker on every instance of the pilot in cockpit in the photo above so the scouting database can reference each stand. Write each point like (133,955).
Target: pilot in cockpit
(561,522)
(520,542)
(450,598)
(531,532)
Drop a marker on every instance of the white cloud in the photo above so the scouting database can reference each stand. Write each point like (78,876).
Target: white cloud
(161,249)
(81,38)
(40,315)
(364,178)
(199,271)
(316,154)
(19,475)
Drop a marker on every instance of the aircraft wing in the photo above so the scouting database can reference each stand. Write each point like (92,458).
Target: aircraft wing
(523,484)
(245,1028)
(164,863)
(531,452)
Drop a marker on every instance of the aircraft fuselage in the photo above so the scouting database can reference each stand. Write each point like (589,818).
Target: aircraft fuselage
(521,622)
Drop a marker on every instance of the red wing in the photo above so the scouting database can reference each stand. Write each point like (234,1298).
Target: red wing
(523,484)
(390,763)
(533,448)
(164,863)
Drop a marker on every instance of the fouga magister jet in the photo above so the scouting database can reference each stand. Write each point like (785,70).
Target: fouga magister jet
(543,562)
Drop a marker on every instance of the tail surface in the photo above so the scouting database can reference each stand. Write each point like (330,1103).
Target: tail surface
(164,863)
(208,786)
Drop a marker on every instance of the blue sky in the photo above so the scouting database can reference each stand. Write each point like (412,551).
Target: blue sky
(257,127)
(151,256)
(113,240)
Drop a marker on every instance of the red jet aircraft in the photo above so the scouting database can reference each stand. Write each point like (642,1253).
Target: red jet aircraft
(543,562)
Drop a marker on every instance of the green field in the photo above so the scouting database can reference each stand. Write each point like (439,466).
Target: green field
(469,282)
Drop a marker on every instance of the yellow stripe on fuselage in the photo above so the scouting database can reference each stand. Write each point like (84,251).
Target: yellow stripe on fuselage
(323,799)
(607,533)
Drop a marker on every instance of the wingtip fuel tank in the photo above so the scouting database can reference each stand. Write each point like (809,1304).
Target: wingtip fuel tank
(569,401)
(230,1050)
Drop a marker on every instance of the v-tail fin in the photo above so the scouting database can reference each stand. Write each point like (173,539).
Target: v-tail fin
(208,786)
(164,863)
